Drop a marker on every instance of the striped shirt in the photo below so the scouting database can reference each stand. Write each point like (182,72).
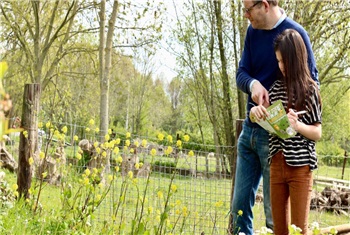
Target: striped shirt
(297,150)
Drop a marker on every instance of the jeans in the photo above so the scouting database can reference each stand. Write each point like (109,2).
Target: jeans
(252,164)
(291,189)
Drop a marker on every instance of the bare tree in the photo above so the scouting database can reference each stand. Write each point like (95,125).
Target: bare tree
(105,58)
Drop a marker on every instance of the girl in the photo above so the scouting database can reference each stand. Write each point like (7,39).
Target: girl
(292,160)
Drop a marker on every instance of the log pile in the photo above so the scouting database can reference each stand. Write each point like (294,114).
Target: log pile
(331,199)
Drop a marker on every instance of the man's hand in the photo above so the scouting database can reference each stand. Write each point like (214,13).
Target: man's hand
(259,94)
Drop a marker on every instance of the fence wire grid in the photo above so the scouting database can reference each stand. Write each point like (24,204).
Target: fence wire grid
(200,200)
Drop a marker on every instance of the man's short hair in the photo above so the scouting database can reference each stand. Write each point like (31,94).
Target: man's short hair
(271,2)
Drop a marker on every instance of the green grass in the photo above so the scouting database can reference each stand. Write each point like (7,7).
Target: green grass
(333,172)
(198,195)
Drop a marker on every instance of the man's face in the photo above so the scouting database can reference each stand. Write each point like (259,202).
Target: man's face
(253,11)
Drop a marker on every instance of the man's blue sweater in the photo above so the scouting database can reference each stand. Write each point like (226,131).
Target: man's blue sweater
(259,60)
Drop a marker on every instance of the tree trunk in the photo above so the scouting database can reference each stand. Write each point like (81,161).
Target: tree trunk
(105,66)
(227,106)
(239,27)
(28,138)
(104,84)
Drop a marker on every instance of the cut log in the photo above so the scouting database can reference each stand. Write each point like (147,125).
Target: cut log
(6,159)
(342,229)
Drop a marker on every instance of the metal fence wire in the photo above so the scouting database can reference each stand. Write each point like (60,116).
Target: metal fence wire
(192,185)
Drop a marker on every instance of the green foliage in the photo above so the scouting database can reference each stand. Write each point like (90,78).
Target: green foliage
(330,153)
(82,193)
(171,164)
(336,113)
(7,194)
(329,148)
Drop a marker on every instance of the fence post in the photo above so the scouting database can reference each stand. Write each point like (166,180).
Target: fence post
(28,143)
(344,164)
(239,125)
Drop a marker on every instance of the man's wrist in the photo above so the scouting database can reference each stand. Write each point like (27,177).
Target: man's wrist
(251,85)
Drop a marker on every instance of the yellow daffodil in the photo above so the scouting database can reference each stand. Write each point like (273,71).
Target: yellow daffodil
(160,137)
(173,188)
(179,143)
(130,174)
(56,133)
(116,150)
(87,172)
(86,181)
(64,129)
(186,138)
(160,194)
(14,187)
(219,204)
(169,150)
(48,125)
(184,211)
(30,161)
(78,156)
(110,178)
(150,210)
(153,152)
(42,155)
(127,135)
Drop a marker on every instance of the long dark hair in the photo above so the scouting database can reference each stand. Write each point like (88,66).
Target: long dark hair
(297,79)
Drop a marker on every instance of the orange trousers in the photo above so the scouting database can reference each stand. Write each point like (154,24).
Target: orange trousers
(290,195)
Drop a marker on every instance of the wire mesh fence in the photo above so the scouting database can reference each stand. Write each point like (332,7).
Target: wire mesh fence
(187,190)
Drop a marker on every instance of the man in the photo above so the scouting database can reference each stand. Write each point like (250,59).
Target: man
(258,70)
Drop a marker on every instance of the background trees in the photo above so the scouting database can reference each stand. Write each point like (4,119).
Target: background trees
(56,44)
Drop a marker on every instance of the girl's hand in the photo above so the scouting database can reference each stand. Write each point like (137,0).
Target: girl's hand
(311,131)
(257,113)
(293,119)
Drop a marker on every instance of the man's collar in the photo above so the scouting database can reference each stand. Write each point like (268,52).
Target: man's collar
(282,18)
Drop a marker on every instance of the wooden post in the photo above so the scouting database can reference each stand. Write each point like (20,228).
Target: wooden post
(344,165)
(239,126)
(28,138)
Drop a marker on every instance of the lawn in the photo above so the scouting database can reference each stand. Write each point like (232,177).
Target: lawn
(197,205)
